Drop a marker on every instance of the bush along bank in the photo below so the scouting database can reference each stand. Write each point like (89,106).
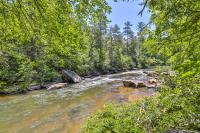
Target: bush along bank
(175,107)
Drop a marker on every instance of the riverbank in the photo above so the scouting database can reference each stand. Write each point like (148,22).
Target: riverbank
(65,110)
(15,90)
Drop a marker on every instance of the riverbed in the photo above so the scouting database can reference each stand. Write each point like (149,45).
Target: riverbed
(65,110)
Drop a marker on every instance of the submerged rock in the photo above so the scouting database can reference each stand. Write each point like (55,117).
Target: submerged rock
(71,76)
(57,86)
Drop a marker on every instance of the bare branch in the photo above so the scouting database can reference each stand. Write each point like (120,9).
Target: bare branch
(145,4)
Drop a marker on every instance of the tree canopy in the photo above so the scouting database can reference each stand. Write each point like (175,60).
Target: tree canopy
(177,28)
(175,38)
(39,38)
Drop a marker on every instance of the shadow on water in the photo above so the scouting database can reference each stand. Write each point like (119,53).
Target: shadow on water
(64,110)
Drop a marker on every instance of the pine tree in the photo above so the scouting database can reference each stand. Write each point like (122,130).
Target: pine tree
(128,33)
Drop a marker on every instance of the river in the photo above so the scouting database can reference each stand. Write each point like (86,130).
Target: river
(65,110)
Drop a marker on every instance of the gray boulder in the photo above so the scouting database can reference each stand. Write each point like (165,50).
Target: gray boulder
(71,76)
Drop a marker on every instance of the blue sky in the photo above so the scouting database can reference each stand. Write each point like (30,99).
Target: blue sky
(127,11)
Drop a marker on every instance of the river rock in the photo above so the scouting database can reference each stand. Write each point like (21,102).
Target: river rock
(168,73)
(57,86)
(113,70)
(130,83)
(140,84)
(172,73)
(71,76)
(151,85)
(152,81)
(151,73)
(134,84)
(36,87)
(165,73)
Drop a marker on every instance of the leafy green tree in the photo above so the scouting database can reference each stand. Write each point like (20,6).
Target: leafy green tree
(176,106)
(39,38)
(117,57)
(98,46)
(176,33)
(141,28)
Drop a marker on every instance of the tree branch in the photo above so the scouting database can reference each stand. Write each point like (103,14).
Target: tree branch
(145,4)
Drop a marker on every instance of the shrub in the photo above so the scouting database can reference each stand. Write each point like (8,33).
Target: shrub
(172,108)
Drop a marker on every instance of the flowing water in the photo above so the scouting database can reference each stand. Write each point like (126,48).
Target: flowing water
(65,110)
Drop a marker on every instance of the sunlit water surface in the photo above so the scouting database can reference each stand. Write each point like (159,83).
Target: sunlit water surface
(65,110)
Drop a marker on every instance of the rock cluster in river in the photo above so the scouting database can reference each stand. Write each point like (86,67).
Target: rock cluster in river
(152,81)
(134,83)
(69,76)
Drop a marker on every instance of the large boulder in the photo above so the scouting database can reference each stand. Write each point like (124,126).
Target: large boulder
(70,76)
(56,86)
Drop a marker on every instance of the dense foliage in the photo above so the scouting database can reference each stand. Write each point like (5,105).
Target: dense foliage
(174,36)
(173,108)
(39,38)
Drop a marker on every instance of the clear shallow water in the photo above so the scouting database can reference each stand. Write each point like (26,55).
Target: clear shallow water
(65,110)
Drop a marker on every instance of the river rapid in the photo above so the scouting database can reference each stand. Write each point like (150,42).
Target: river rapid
(65,110)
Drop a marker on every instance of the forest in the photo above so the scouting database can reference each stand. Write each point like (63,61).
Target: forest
(37,42)
(40,38)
